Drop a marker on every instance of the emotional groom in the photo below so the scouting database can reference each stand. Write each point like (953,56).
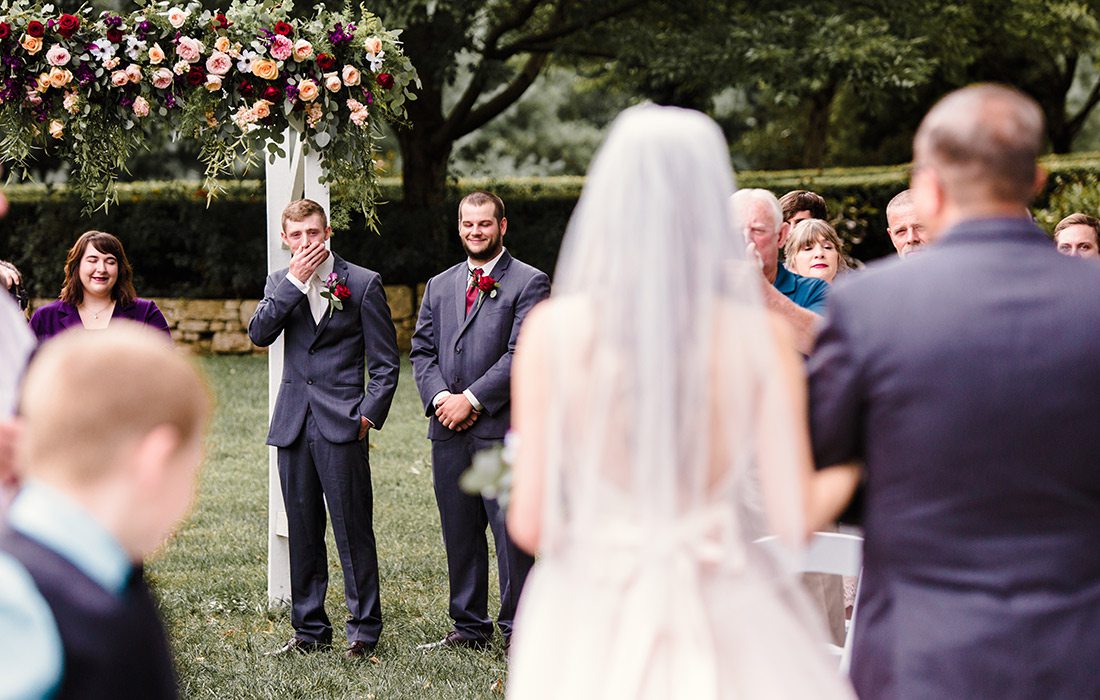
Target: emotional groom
(332,315)
(462,358)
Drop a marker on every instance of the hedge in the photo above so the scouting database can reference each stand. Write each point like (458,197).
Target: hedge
(181,247)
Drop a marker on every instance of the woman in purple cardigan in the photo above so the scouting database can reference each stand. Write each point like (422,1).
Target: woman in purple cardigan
(98,288)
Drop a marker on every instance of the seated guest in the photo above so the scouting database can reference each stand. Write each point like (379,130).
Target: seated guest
(813,249)
(799,205)
(112,440)
(1078,235)
(98,288)
(906,233)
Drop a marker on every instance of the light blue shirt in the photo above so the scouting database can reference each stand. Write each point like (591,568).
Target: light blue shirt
(31,658)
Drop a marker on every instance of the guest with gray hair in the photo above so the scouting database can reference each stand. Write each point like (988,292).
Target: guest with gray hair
(907,233)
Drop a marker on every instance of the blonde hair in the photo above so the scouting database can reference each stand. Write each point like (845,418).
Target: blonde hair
(808,232)
(89,395)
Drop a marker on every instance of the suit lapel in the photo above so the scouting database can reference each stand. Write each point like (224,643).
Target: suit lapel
(460,282)
(499,270)
(341,269)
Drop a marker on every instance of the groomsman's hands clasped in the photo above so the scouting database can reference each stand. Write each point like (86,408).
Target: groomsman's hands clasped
(456,412)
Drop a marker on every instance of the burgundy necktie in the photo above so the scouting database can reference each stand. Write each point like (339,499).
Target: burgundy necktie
(472,290)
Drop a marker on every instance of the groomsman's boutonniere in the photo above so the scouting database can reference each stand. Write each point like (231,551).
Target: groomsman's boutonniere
(488,285)
(336,292)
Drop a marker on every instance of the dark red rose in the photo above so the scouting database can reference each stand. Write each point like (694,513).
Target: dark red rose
(385,80)
(221,21)
(35,28)
(485,283)
(284,29)
(326,62)
(114,35)
(341,292)
(246,89)
(5,30)
(272,94)
(196,76)
(67,25)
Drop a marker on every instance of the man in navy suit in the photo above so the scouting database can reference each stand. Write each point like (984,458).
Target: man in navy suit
(333,315)
(966,383)
(462,358)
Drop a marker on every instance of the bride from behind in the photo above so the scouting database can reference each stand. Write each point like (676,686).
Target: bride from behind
(660,417)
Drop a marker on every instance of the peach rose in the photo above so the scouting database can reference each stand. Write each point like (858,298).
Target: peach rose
(308,90)
(57,55)
(219,63)
(350,75)
(222,44)
(43,82)
(162,78)
(213,83)
(302,50)
(333,82)
(262,109)
(31,44)
(177,17)
(119,78)
(156,54)
(265,69)
(60,77)
(57,128)
(133,72)
(141,107)
(189,49)
(373,45)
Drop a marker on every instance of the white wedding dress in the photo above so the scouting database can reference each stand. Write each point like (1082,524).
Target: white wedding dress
(649,405)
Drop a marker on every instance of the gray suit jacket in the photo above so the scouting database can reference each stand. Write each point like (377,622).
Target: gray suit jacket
(453,352)
(968,381)
(324,363)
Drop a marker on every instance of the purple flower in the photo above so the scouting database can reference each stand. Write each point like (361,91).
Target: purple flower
(169,100)
(126,101)
(369,96)
(113,21)
(84,74)
(340,34)
(292,92)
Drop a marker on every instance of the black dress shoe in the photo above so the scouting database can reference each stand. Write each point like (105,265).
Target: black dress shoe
(299,646)
(455,640)
(359,650)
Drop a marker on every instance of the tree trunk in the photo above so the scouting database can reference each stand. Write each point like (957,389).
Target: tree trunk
(817,127)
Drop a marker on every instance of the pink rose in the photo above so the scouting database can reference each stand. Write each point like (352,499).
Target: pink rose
(373,45)
(141,107)
(156,54)
(162,78)
(308,91)
(181,67)
(302,50)
(71,102)
(111,63)
(177,17)
(57,55)
(351,75)
(219,63)
(189,49)
(281,48)
(119,78)
(133,72)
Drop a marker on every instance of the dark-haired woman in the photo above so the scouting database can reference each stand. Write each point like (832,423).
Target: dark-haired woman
(98,288)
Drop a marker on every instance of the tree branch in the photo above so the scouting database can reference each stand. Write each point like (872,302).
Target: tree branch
(503,99)
(1091,101)
(547,40)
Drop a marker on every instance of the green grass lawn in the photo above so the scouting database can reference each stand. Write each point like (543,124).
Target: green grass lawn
(211,578)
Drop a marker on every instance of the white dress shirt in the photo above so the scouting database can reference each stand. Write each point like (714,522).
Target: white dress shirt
(318,305)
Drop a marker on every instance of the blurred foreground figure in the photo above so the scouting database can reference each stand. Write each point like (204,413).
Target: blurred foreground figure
(111,444)
(661,430)
(966,380)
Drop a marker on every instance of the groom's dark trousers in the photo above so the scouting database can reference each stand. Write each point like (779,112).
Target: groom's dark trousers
(454,351)
(315,426)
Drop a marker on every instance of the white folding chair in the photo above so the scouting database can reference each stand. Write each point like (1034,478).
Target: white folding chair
(839,554)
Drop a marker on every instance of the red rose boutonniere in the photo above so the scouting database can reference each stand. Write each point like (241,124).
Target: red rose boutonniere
(488,285)
(337,292)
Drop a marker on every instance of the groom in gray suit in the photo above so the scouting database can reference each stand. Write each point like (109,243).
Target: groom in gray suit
(965,381)
(332,315)
(462,358)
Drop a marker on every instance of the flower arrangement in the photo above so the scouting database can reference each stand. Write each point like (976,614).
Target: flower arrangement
(336,292)
(92,88)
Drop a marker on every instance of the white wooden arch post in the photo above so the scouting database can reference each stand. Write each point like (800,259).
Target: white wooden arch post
(292,177)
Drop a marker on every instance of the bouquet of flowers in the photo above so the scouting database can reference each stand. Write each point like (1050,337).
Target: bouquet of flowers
(91,88)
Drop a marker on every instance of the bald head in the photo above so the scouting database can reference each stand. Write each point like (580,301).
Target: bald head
(89,396)
(982,142)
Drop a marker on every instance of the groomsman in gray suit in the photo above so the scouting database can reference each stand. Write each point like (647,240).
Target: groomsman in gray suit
(462,358)
(334,319)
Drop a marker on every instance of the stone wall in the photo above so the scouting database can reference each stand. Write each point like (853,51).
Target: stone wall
(220,326)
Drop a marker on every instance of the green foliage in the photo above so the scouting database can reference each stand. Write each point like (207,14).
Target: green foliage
(211,578)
